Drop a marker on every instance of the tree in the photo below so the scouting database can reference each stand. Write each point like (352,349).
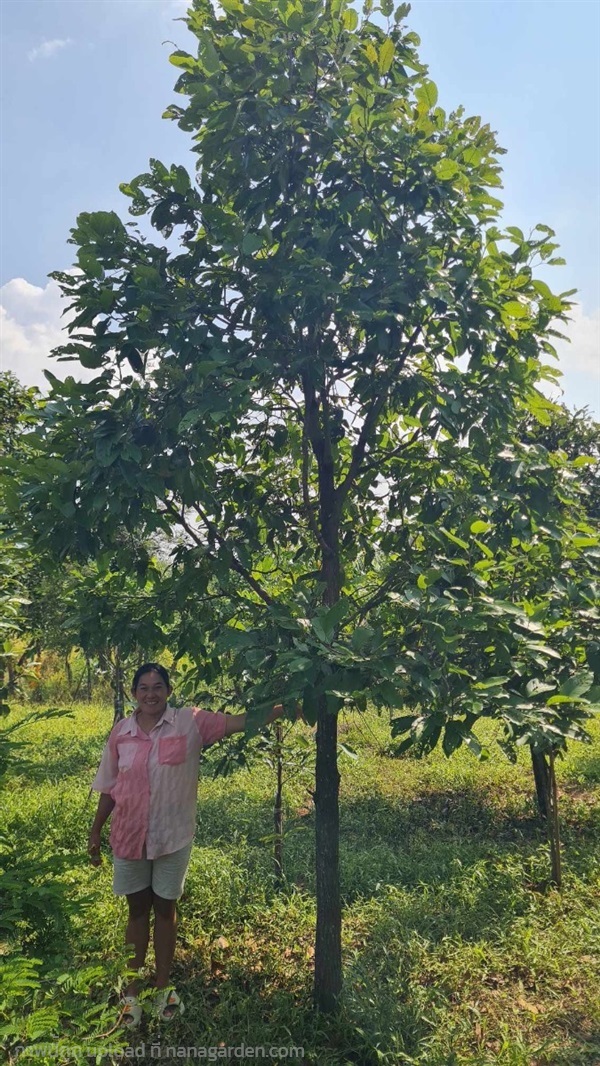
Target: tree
(575,436)
(342,326)
(17,409)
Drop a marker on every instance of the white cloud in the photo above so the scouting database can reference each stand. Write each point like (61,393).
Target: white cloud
(30,327)
(583,353)
(48,48)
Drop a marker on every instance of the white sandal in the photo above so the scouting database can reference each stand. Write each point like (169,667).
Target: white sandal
(168,1005)
(131,1012)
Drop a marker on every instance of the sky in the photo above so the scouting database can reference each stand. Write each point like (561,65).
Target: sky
(85,82)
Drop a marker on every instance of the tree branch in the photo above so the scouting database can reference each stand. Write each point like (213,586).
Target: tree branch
(312,522)
(392,454)
(212,529)
(369,423)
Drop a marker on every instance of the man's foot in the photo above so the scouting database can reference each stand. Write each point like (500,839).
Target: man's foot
(168,1004)
(131,1012)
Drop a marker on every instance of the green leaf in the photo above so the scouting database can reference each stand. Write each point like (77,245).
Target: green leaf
(386,55)
(455,540)
(402,724)
(350,19)
(331,619)
(514,309)
(480,527)
(446,169)
(89,263)
(578,684)
(472,743)
(536,686)
(310,705)
(453,738)
(183,59)
(252,242)
(191,419)
(318,628)
(89,358)
(210,57)
(543,649)
(130,352)
(427,95)
(387,692)
(491,682)
(180,179)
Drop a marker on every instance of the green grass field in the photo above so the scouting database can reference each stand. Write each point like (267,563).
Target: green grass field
(456,950)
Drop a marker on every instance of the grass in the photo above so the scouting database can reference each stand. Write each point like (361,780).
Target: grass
(456,949)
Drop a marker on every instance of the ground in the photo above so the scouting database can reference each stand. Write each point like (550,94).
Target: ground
(457,950)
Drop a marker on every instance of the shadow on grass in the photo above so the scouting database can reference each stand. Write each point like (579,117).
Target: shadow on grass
(483,861)
(61,758)
(246,994)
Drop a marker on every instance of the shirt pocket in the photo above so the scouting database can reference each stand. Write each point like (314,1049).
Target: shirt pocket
(172,750)
(126,755)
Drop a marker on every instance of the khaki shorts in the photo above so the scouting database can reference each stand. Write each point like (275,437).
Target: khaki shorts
(165,875)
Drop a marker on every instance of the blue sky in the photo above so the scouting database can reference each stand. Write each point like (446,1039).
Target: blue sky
(84,85)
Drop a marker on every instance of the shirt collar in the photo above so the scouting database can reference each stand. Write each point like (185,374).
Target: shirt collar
(131,725)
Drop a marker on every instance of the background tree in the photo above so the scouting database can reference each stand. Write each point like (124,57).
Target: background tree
(342,325)
(17,411)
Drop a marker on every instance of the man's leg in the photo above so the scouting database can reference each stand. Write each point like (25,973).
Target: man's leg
(138,932)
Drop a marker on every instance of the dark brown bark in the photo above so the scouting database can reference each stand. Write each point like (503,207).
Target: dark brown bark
(88,687)
(553,826)
(278,809)
(541,774)
(119,694)
(68,672)
(328,943)
(12,675)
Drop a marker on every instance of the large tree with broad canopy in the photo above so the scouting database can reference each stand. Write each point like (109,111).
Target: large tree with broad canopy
(300,392)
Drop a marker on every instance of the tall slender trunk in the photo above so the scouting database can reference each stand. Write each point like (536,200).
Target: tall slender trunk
(553,827)
(541,774)
(68,671)
(119,697)
(544,773)
(328,943)
(278,808)
(88,686)
(12,675)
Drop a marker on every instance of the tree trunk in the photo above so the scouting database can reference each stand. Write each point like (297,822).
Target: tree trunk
(553,826)
(68,672)
(278,810)
(12,675)
(88,687)
(328,943)
(541,773)
(119,698)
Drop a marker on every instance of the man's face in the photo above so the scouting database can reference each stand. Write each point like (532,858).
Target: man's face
(152,694)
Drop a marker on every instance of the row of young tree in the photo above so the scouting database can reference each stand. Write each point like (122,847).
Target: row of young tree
(314,452)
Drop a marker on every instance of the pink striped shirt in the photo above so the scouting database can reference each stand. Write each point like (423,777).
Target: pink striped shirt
(153,779)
